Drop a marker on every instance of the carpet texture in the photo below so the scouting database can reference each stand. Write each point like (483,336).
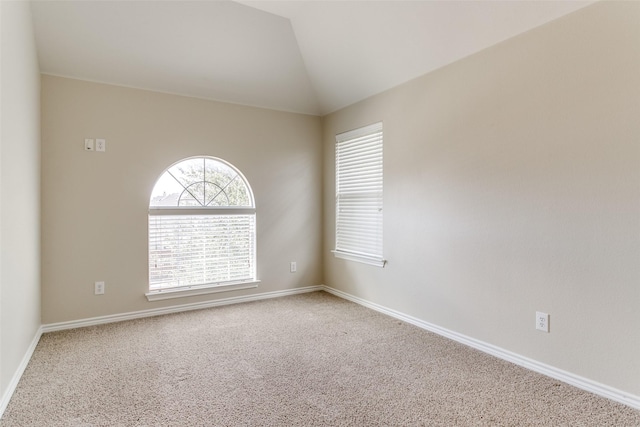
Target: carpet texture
(304,360)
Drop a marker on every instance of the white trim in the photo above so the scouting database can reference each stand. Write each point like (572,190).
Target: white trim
(360,258)
(92,321)
(567,377)
(11,387)
(189,291)
(201,210)
(358,132)
(542,368)
(51,327)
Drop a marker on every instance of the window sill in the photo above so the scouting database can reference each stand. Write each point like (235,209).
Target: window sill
(360,258)
(162,294)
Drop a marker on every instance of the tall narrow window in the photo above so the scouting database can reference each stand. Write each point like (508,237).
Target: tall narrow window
(201,228)
(359,195)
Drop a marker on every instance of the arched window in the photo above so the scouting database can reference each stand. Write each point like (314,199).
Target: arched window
(201,227)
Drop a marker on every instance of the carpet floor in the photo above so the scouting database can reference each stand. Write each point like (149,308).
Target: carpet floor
(304,360)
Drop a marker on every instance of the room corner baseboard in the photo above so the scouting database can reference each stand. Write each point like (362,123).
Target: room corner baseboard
(6,396)
(550,371)
(542,368)
(51,327)
(92,321)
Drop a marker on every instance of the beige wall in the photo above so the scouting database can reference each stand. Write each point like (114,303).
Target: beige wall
(512,185)
(94,205)
(19,191)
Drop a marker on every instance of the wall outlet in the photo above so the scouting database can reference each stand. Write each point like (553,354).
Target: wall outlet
(542,321)
(99,288)
(101,145)
(293,267)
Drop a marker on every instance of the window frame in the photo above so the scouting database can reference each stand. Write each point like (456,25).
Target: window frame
(359,153)
(160,293)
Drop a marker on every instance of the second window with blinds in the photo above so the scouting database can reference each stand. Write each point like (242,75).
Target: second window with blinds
(359,173)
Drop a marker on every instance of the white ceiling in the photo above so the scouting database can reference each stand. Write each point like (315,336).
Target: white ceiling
(310,57)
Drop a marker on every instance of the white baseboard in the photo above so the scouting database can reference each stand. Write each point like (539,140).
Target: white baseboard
(542,368)
(6,397)
(92,321)
(550,371)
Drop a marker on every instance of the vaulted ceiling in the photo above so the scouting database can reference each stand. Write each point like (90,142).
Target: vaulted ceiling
(310,57)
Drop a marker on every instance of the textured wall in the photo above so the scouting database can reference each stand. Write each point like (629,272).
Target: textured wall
(19,190)
(512,184)
(94,205)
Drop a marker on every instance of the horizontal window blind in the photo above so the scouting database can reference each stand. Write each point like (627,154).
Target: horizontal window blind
(188,250)
(359,176)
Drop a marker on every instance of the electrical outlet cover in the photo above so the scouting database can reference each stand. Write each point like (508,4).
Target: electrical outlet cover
(99,288)
(542,321)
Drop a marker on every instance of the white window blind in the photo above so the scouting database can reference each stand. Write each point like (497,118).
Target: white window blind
(188,250)
(359,176)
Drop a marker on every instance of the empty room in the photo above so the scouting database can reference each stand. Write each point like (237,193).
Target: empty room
(320,213)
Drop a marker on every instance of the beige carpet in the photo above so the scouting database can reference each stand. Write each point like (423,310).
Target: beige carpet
(305,360)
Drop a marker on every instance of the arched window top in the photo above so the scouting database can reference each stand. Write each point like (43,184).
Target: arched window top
(201,182)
